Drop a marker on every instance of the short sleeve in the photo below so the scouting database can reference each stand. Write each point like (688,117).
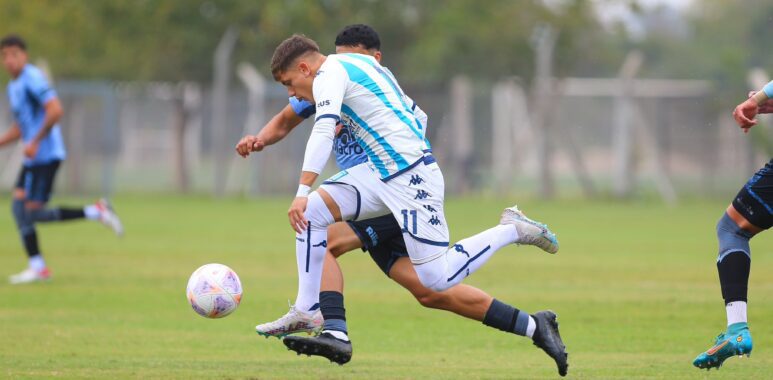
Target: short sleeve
(302,108)
(38,87)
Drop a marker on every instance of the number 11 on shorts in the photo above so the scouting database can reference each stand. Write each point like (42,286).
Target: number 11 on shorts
(405,220)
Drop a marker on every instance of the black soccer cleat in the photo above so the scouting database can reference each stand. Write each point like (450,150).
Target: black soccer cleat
(547,338)
(325,345)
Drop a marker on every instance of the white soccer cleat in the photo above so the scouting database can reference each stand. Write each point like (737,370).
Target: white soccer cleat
(291,323)
(530,232)
(30,275)
(108,217)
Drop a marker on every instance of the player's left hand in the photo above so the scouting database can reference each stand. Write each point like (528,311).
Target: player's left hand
(296,214)
(31,150)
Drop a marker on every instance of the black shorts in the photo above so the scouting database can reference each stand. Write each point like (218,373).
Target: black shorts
(755,200)
(382,237)
(37,181)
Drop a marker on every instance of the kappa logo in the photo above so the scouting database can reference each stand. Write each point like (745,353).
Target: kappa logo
(415,180)
(429,208)
(460,248)
(323,243)
(434,220)
(302,240)
(421,194)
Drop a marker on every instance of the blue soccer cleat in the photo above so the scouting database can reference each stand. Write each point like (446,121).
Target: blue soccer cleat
(735,341)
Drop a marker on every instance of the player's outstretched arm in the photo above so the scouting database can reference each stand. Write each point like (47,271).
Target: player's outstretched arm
(11,135)
(275,130)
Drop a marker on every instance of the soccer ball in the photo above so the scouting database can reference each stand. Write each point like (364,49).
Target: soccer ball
(214,291)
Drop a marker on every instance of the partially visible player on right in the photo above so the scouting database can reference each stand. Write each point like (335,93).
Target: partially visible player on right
(750,213)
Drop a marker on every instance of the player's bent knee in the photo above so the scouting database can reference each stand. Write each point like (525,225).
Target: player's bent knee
(431,280)
(33,205)
(431,299)
(335,246)
(732,238)
(317,212)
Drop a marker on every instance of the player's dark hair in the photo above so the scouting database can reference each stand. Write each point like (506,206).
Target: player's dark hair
(359,34)
(13,40)
(289,50)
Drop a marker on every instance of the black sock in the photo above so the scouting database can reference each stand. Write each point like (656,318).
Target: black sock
(331,304)
(734,276)
(506,318)
(31,243)
(71,213)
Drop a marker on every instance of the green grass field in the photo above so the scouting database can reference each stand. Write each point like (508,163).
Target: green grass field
(634,284)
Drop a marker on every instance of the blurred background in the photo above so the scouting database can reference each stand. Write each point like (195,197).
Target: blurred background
(550,98)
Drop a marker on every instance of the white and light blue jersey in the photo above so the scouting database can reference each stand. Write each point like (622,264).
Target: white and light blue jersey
(356,90)
(28,94)
(348,153)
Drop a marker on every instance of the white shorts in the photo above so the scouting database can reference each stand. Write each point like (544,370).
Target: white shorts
(415,198)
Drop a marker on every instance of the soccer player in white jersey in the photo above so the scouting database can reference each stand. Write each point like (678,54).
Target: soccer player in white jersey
(380,236)
(400,178)
(304,314)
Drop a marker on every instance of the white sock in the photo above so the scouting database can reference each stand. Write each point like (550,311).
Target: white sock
(466,256)
(310,247)
(531,327)
(91,212)
(338,334)
(736,312)
(309,256)
(37,263)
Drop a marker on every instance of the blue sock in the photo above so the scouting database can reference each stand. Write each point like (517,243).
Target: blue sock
(506,318)
(331,304)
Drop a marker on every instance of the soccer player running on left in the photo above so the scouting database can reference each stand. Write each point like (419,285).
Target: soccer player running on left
(750,213)
(36,111)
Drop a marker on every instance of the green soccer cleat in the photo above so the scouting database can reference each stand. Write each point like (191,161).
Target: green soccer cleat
(737,340)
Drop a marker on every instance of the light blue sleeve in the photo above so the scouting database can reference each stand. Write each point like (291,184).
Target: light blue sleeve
(768,89)
(38,87)
(302,108)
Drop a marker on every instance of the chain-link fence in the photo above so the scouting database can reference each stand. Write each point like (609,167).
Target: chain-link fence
(159,137)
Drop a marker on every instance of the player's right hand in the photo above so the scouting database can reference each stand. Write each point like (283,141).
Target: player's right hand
(296,214)
(744,114)
(766,107)
(249,144)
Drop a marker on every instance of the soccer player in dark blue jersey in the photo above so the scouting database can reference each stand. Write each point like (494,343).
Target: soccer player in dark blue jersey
(36,112)
(750,213)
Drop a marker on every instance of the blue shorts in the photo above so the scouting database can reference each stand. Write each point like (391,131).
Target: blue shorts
(755,200)
(382,237)
(37,181)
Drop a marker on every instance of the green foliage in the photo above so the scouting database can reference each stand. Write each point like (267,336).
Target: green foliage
(428,41)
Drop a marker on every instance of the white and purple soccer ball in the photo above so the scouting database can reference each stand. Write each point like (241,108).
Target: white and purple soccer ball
(214,291)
